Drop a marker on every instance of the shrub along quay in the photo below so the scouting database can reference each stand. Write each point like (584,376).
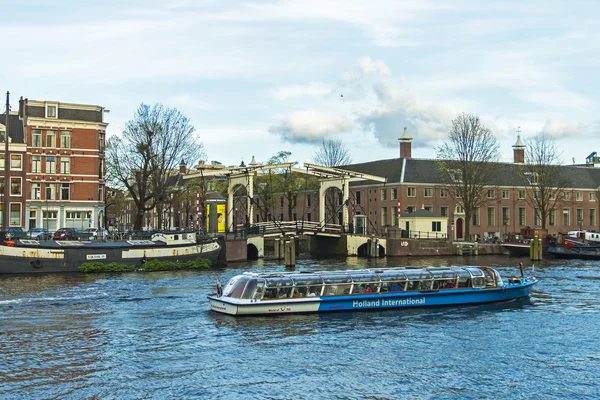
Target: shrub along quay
(154,265)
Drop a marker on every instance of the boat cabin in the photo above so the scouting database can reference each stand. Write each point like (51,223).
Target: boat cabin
(261,287)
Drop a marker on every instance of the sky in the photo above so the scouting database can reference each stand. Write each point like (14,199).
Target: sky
(259,77)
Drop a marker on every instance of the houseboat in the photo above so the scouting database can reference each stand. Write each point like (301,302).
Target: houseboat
(28,256)
(282,293)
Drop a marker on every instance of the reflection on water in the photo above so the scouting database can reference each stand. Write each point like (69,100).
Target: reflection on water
(152,336)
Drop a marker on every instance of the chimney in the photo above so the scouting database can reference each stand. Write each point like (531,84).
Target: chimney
(182,167)
(21,108)
(405,144)
(519,151)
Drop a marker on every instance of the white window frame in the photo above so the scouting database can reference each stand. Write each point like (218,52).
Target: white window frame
(426,190)
(65,134)
(36,163)
(39,136)
(49,169)
(10,220)
(19,159)
(65,161)
(36,191)
(55,105)
(20,180)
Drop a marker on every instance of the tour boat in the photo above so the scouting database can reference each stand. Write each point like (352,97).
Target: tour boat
(282,293)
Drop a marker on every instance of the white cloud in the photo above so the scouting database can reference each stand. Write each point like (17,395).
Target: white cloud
(310,126)
(313,89)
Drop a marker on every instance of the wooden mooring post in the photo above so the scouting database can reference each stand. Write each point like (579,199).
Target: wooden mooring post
(277,248)
(290,252)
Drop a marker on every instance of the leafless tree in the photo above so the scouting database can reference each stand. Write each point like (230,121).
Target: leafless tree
(543,174)
(332,153)
(148,153)
(466,163)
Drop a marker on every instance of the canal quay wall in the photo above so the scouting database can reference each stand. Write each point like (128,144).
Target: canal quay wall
(395,247)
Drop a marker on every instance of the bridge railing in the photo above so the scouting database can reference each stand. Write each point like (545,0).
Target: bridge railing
(288,227)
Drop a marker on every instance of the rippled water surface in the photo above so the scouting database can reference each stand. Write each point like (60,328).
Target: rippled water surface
(152,336)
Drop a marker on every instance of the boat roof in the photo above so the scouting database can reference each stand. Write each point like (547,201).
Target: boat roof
(357,272)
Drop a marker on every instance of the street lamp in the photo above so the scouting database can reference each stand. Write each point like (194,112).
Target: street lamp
(505,226)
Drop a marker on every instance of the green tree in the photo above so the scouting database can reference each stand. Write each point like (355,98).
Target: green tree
(466,163)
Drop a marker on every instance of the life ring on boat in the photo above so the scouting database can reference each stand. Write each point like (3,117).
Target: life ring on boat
(36,263)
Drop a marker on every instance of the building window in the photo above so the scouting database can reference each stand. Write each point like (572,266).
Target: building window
(567,196)
(36,164)
(491,211)
(411,192)
(308,200)
(36,138)
(15,214)
(50,165)
(411,209)
(566,217)
(1,184)
(308,217)
(578,196)
(101,191)
(592,196)
(592,217)
(459,210)
(521,194)
(522,216)
(357,196)
(505,194)
(2,160)
(428,208)
(51,111)
(580,217)
(443,193)
(50,191)
(16,161)
(537,220)
(101,142)
(15,186)
(532,177)
(394,194)
(444,211)
(73,214)
(476,216)
(505,216)
(280,200)
(552,217)
(428,192)
(65,165)
(101,174)
(383,216)
(36,191)
(383,194)
(436,226)
(394,211)
(50,139)
(491,193)
(64,191)
(65,139)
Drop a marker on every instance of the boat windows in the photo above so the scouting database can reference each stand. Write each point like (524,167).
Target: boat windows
(254,289)
(307,286)
(235,286)
(477,277)
(337,285)
(278,288)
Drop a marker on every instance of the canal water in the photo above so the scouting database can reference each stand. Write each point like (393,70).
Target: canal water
(152,336)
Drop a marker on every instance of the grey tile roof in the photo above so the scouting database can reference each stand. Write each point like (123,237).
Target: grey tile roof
(425,171)
(15,127)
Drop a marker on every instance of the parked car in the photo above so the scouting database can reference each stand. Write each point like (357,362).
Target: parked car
(38,233)
(66,234)
(14,233)
(94,233)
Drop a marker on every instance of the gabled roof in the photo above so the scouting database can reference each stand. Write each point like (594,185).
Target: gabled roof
(15,127)
(425,171)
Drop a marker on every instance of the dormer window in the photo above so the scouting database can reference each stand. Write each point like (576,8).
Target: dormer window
(532,178)
(455,175)
(51,111)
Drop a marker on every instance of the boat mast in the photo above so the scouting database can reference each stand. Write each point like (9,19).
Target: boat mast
(5,203)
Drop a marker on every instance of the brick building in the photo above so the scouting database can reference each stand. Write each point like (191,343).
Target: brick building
(17,154)
(64,164)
